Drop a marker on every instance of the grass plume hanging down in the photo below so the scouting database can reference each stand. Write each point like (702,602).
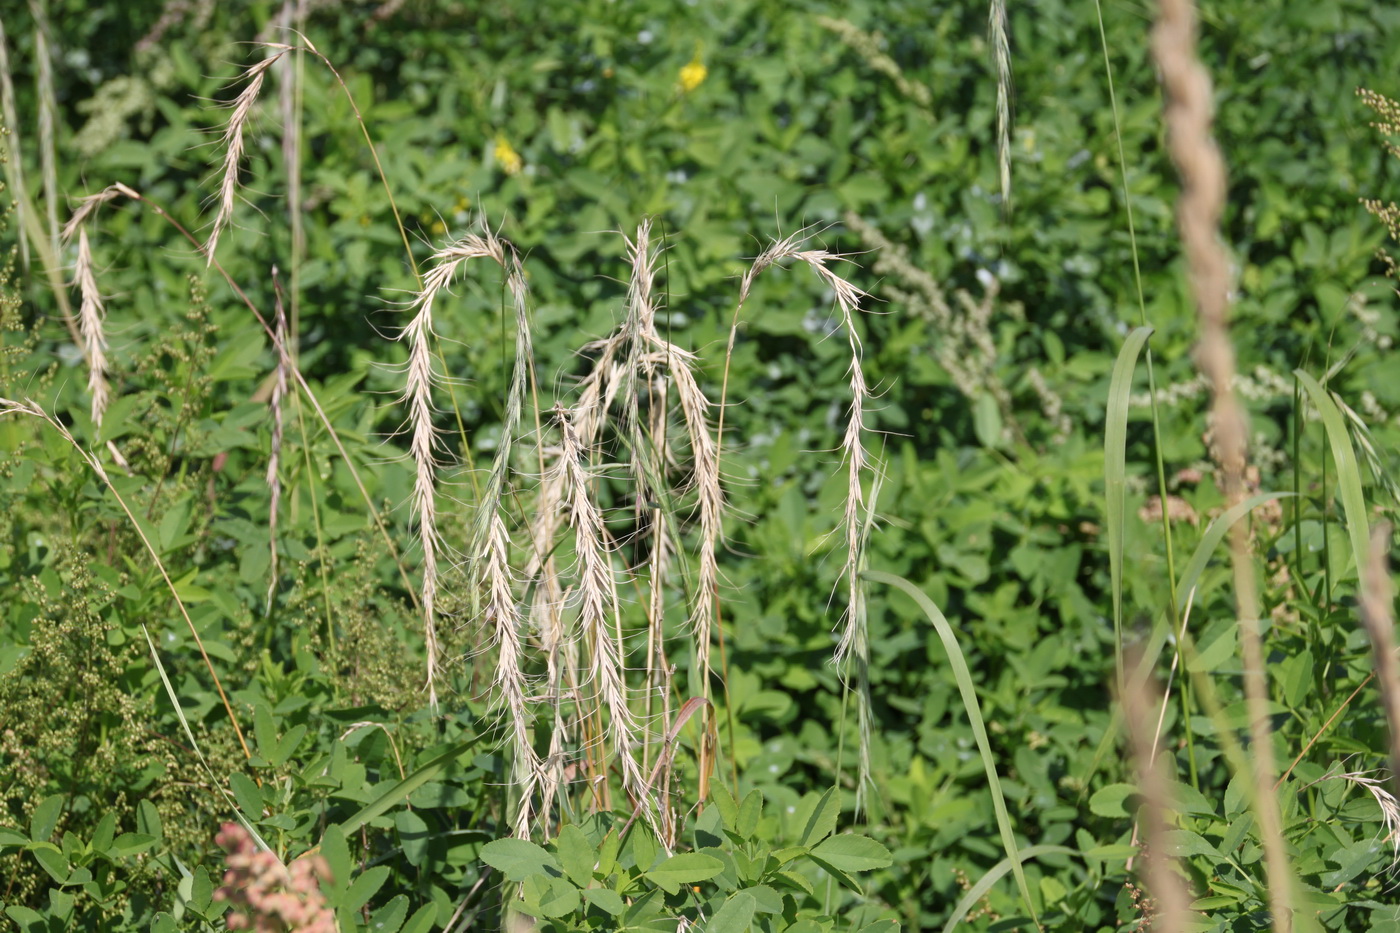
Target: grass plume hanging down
(91,312)
(651,354)
(423,444)
(90,318)
(241,112)
(600,611)
(490,568)
(1001,64)
(1189,113)
(852,645)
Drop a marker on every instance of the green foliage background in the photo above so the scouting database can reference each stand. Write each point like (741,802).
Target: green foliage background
(992,502)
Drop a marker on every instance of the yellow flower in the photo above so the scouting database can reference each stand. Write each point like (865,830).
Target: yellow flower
(510,160)
(693,75)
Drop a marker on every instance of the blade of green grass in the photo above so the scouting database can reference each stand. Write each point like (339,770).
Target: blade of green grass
(214,779)
(974,715)
(1190,577)
(1348,473)
(1115,456)
(408,785)
(995,874)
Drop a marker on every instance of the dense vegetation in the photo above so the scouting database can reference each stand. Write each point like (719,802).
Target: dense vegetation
(616,465)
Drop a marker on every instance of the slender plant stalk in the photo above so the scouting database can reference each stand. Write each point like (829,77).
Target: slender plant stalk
(1168,890)
(1378,615)
(1188,117)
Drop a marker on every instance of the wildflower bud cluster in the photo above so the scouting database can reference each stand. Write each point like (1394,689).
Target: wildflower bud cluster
(267,897)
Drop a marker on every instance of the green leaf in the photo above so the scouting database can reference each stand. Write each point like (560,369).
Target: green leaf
(606,900)
(1183,842)
(724,801)
(248,794)
(549,897)
(413,836)
(644,849)
(45,818)
(423,920)
(822,822)
(987,422)
(337,855)
(766,900)
(517,859)
(201,889)
(51,859)
(1115,473)
(1109,801)
(396,794)
(148,819)
(363,888)
(104,831)
(686,868)
(390,917)
(27,918)
(130,844)
(1348,474)
(735,916)
(576,854)
(750,811)
(852,853)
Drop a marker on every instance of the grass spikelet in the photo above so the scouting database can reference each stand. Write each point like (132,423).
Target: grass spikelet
(241,112)
(423,444)
(599,610)
(491,550)
(1001,64)
(90,318)
(1188,117)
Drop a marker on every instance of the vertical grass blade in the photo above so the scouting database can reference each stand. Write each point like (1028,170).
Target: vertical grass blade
(1115,455)
(1348,473)
(974,715)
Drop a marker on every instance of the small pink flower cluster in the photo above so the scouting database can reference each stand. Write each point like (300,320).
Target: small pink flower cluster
(267,898)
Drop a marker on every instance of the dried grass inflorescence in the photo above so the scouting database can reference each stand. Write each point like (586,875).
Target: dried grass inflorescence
(419,381)
(1189,115)
(240,115)
(858,513)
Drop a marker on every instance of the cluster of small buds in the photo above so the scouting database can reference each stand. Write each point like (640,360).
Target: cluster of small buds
(266,897)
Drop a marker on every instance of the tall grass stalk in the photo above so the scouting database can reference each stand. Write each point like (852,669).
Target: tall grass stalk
(1188,116)
(1378,615)
(274,459)
(1167,887)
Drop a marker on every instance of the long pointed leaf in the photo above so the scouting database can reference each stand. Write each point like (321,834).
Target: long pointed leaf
(1115,458)
(963,676)
(1348,473)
